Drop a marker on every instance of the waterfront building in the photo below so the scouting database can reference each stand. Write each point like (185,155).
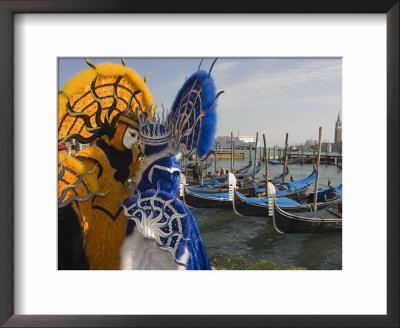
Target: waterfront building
(247,139)
(240,142)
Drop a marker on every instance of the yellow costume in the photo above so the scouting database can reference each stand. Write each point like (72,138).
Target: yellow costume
(100,104)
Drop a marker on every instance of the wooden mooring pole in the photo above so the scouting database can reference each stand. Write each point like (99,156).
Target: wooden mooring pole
(266,166)
(285,156)
(255,156)
(232,154)
(317,176)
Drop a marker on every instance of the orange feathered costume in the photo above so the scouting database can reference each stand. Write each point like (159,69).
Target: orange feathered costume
(99,104)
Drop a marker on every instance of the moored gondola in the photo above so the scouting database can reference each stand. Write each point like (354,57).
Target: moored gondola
(262,206)
(245,186)
(254,206)
(274,161)
(326,220)
(278,177)
(325,195)
(245,168)
(209,200)
(294,190)
(249,172)
(222,181)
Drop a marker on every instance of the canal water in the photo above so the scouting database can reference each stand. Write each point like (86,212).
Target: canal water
(230,235)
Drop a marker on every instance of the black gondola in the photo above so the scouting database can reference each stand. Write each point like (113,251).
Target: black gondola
(222,181)
(248,172)
(245,168)
(278,177)
(210,200)
(326,220)
(294,190)
(245,186)
(253,206)
(324,195)
(257,206)
(206,200)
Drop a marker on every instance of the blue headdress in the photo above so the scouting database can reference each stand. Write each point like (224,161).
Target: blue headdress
(191,125)
(156,130)
(193,115)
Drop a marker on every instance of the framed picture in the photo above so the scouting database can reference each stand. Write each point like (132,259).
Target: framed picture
(36,294)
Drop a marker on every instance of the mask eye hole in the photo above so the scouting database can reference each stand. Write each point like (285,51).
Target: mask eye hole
(133,133)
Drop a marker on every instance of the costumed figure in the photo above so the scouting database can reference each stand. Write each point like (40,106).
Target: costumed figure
(162,232)
(98,104)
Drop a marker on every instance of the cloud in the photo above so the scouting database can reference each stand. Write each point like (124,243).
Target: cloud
(223,70)
(284,86)
(305,90)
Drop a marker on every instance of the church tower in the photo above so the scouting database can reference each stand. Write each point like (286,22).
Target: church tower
(338,129)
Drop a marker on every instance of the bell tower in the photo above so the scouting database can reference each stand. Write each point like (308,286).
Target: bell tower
(338,129)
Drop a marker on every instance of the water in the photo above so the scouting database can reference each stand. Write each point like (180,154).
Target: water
(230,235)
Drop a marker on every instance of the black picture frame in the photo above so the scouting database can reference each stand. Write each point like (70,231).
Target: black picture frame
(7,11)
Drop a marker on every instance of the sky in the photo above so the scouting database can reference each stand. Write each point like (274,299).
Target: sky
(271,96)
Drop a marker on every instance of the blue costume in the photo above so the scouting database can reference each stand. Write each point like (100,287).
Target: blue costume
(171,237)
(174,227)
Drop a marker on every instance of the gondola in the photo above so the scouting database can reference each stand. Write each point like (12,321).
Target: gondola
(274,161)
(254,206)
(245,168)
(324,195)
(293,190)
(245,186)
(222,181)
(218,181)
(278,177)
(210,200)
(326,220)
(262,206)
(249,172)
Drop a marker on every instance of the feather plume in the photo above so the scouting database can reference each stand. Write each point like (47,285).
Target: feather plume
(199,83)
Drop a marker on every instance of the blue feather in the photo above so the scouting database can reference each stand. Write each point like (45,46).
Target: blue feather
(209,120)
